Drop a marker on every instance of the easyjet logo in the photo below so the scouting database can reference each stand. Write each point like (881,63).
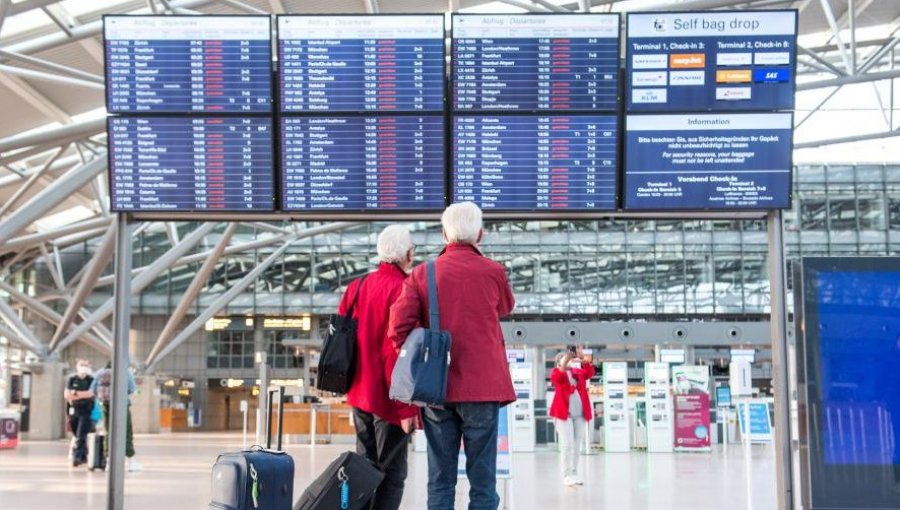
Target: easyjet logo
(687,60)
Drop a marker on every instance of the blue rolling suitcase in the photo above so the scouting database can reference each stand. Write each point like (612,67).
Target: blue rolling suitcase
(255,479)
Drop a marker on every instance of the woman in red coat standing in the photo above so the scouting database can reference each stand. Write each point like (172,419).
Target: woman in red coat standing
(571,408)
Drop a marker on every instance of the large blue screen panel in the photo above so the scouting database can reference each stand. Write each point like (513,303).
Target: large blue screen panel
(535,162)
(710,61)
(160,164)
(371,163)
(708,161)
(188,64)
(535,62)
(361,63)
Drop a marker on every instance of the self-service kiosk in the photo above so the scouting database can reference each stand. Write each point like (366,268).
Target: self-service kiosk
(660,428)
(523,433)
(615,407)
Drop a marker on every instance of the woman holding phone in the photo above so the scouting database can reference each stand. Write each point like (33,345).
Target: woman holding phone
(571,408)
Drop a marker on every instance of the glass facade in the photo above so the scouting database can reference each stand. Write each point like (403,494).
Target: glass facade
(608,267)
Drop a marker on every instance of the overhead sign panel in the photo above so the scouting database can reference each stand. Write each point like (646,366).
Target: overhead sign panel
(160,164)
(357,163)
(711,61)
(188,64)
(361,63)
(532,163)
(565,62)
(708,161)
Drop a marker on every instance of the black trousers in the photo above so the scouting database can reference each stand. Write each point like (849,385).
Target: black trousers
(81,426)
(377,439)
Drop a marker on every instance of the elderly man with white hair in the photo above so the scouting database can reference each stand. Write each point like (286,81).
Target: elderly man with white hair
(381,424)
(473,295)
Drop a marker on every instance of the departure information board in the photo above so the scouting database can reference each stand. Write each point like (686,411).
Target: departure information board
(357,163)
(361,63)
(531,162)
(535,62)
(191,164)
(711,61)
(708,161)
(188,64)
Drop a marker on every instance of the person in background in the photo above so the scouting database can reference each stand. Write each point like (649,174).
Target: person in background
(382,425)
(473,295)
(80,398)
(571,408)
(102,388)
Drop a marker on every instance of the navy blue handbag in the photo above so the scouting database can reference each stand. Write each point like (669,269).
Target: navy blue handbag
(420,375)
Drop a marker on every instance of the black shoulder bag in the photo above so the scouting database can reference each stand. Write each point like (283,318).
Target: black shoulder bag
(337,363)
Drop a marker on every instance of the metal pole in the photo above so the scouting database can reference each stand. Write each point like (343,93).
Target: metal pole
(778,321)
(115,499)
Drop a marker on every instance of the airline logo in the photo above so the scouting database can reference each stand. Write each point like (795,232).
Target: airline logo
(734,59)
(677,78)
(771,75)
(649,79)
(687,60)
(772,58)
(733,93)
(737,76)
(649,61)
(648,96)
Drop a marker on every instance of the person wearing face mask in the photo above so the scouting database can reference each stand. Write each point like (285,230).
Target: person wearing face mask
(382,425)
(571,408)
(80,398)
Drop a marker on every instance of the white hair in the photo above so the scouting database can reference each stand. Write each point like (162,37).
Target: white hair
(462,223)
(394,243)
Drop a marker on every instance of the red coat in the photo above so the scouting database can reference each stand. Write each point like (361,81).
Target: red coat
(560,407)
(473,295)
(375,356)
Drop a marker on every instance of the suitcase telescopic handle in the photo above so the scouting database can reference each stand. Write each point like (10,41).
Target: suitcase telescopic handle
(274,390)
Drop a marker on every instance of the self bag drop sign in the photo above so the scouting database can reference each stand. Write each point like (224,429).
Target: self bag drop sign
(708,161)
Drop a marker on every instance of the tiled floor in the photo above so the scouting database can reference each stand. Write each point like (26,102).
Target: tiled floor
(176,476)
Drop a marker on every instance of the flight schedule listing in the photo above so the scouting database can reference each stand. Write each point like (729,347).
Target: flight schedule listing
(535,62)
(711,61)
(362,163)
(191,164)
(188,64)
(527,163)
(708,161)
(361,63)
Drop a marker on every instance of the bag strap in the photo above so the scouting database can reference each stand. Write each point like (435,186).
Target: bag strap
(356,296)
(434,319)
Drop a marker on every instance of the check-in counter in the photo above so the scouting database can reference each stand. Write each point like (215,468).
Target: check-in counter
(331,420)
(173,420)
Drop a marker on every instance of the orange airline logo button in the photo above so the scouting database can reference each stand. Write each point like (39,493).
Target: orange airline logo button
(687,60)
(734,76)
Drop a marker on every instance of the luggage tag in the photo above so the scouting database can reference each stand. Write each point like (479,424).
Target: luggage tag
(254,486)
(345,489)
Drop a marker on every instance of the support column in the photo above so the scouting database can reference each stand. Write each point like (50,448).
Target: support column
(115,493)
(145,404)
(778,290)
(48,408)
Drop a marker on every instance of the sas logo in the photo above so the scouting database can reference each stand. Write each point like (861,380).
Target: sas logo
(659,24)
(771,75)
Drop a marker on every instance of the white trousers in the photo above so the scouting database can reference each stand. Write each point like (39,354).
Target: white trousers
(571,437)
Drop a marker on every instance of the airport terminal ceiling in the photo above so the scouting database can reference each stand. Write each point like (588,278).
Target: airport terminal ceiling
(55,223)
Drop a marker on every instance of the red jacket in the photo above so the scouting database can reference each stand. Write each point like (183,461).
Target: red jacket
(560,407)
(375,356)
(473,294)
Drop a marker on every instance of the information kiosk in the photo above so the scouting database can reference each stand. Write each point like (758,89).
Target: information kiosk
(659,407)
(616,415)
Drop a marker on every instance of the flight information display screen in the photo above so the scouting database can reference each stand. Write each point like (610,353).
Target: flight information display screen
(359,163)
(711,61)
(535,62)
(191,164)
(531,162)
(188,64)
(708,161)
(361,63)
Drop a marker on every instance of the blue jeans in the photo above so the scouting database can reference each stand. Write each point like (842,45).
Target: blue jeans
(475,423)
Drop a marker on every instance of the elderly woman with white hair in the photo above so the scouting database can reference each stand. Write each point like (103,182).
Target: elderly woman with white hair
(381,424)
(474,295)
